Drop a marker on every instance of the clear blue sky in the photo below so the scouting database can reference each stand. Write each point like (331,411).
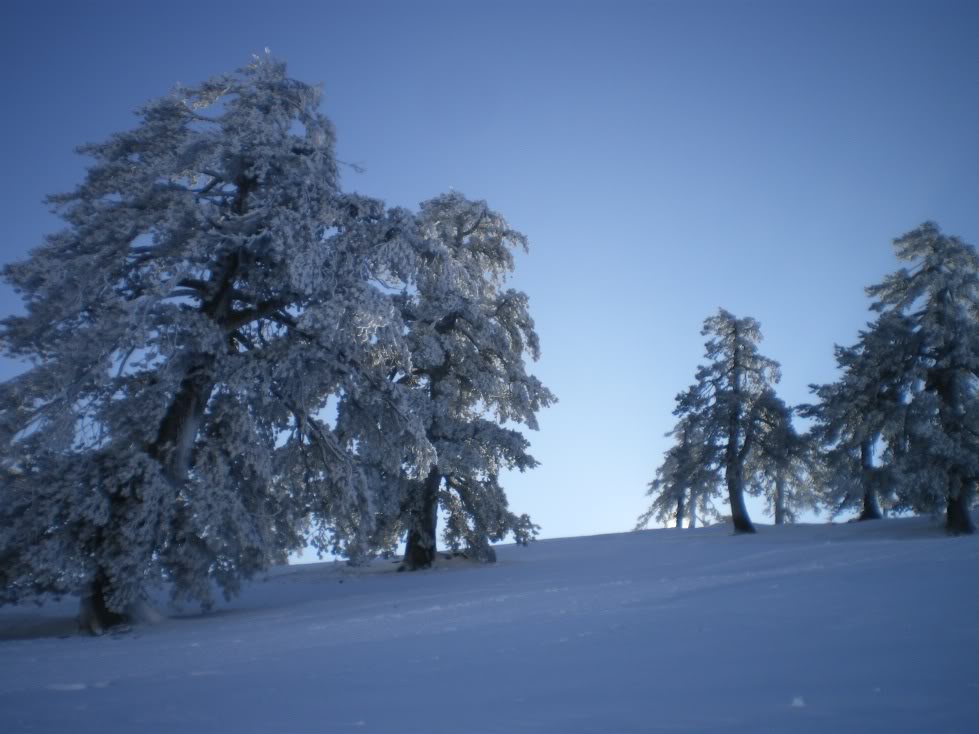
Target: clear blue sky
(665,158)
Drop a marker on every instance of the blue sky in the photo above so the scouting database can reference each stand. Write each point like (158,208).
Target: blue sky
(664,158)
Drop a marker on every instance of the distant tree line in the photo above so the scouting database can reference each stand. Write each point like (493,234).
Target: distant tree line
(230,358)
(899,429)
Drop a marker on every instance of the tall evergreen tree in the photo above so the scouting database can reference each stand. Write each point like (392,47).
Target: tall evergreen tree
(728,398)
(211,290)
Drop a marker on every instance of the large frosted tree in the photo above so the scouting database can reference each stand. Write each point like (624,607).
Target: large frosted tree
(728,400)
(469,339)
(211,289)
(934,305)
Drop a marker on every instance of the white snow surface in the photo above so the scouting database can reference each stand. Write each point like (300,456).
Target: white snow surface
(869,627)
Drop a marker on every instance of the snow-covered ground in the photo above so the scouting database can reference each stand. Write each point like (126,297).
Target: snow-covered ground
(843,628)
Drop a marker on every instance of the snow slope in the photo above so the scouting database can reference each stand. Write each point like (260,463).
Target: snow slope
(843,628)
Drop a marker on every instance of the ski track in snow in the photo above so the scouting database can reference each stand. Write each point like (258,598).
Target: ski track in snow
(805,629)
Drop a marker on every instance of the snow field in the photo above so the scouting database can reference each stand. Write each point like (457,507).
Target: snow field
(835,628)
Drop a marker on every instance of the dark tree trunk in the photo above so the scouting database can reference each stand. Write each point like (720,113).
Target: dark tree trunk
(679,511)
(734,475)
(174,443)
(173,448)
(958,517)
(871,507)
(868,479)
(96,615)
(420,547)
(736,453)
(739,512)
(959,514)
(779,498)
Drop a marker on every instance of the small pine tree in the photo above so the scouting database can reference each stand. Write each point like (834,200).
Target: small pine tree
(727,400)
(780,467)
(687,481)
(855,412)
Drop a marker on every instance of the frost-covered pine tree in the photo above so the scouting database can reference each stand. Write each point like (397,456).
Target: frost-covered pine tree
(855,412)
(469,338)
(211,289)
(727,400)
(687,481)
(780,466)
(934,449)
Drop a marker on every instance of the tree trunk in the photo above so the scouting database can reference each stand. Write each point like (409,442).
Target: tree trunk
(420,547)
(734,475)
(173,448)
(739,512)
(95,614)
(868,475)
(959,514)
(693,512)
(958,517)
(174,443)
(871,507)
(780,498)
(679,511)
(735,453)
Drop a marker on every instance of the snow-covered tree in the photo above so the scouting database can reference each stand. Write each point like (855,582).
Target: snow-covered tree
(934,450)
(780,466)
(728,398)
(910,389)
(687,481)
(212,288)
(469,339)
(854,413)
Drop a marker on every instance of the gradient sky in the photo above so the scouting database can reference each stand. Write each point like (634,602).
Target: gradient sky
(664,158)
